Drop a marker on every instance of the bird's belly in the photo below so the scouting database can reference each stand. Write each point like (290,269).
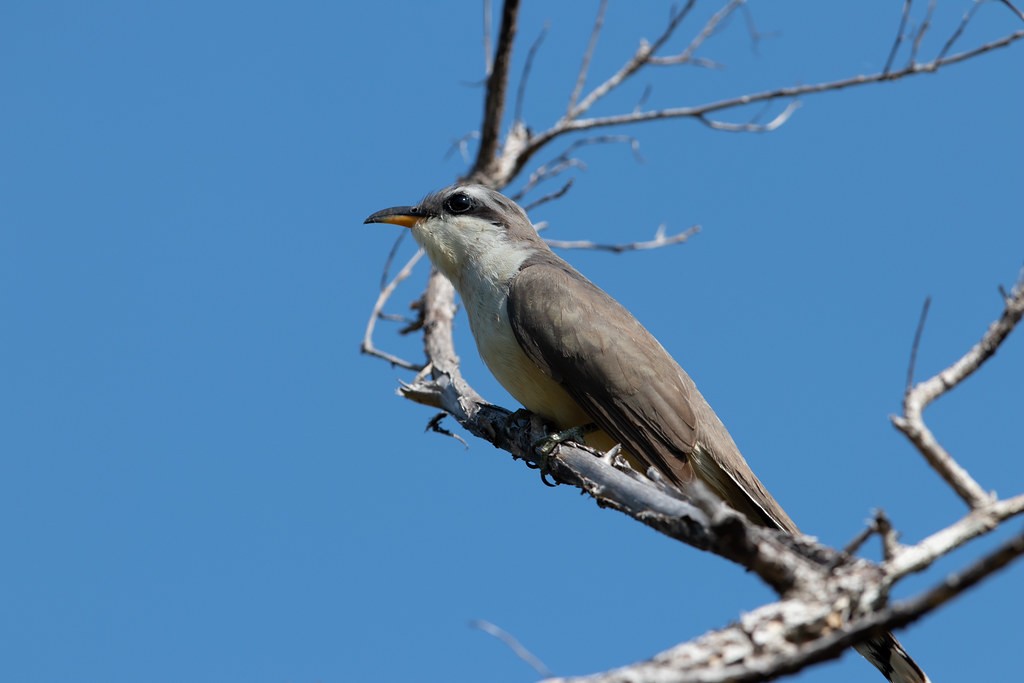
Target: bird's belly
(520,376)
(543,396)
(527,383)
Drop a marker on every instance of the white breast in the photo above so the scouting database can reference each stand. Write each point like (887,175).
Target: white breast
(479,260)
(488,318)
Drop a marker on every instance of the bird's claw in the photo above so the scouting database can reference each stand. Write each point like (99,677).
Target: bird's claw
(547,444)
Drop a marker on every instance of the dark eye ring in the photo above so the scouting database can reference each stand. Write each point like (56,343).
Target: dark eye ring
(460,202)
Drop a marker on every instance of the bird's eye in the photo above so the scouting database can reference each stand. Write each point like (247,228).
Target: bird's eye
(459,202)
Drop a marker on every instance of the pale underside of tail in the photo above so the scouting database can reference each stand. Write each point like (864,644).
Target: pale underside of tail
(889,657)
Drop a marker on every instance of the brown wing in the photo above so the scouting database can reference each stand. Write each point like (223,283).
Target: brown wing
(629,385)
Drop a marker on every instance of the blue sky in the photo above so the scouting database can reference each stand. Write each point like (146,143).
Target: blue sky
(202,478)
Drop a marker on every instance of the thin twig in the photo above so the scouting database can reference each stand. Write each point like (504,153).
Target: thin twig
(857,541)
(659,241)
(890,539)
(899,35)
(588,55)
(564,126)
(958,582)
(968,15)
(917,343)
(513,644)
(547,172)
(391,258)
(1013,9)
(550,197)
(527,67)
(434,425)
(778,121)
(644,96)
(921,31)
(461,145)
(634,144)
(640,58)
(386,291)
(918,557)
(756,36)
(709,29)
(564,161)
(917,398)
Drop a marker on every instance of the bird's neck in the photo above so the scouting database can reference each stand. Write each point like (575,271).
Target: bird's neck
(478,266)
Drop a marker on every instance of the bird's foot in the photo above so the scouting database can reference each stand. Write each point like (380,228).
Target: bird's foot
(547,444)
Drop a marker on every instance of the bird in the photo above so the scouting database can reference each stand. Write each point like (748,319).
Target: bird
(574,356)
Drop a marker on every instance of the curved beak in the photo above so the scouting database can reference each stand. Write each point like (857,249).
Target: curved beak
(406,216)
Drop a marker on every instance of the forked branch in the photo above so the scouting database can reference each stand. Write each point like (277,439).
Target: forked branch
(917,398)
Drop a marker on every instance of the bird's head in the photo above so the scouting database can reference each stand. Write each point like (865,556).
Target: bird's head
(468,228)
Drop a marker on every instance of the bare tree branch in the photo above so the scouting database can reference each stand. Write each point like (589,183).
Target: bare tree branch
(831,601)
(917,342)
(1013,9)
(639,59)
(565,126)
(917,399)
(787,636)
(923,29)
(776,122)
(968,15)
(588,55)
(754,658)
(386,291)
(497,87)
(709,29)
(564,161)
(899,36)
(543,174)
(513,644)
(547,172)
(525,79)
(957,583)
(462,145)
(920,556)
(660,240)
(550,197)
(756,36)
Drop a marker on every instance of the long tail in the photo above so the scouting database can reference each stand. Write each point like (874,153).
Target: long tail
(889,657)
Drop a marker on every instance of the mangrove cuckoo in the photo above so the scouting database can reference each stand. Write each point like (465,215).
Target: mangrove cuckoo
(574,356)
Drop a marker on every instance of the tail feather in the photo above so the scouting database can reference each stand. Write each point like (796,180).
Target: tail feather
(889,657)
